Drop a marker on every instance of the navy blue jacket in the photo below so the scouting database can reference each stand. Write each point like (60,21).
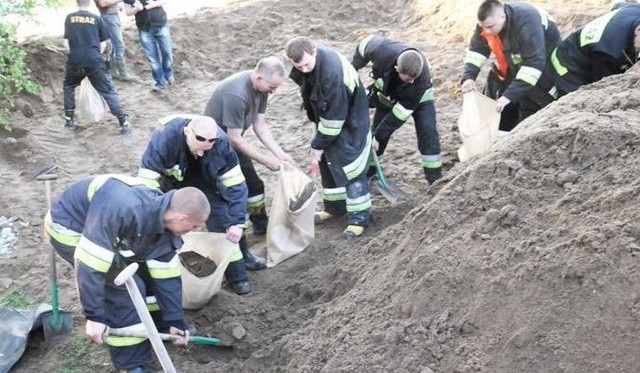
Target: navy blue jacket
(167,157)
(121,221)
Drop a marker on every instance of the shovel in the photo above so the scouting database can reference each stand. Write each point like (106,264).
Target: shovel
(386,187)
(57,321)
(195,339)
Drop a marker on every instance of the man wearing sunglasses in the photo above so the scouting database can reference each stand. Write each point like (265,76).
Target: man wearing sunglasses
(237,103)
(191,150)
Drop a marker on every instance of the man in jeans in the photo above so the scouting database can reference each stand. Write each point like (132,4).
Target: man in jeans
(155,37)
(86,36)
(111,19)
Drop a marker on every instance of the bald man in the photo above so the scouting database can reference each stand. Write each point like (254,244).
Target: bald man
(191,150)
(238,103)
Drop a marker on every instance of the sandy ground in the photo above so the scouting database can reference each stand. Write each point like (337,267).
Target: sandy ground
(523,260)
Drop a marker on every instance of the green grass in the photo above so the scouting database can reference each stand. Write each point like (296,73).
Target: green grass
(75,353)
(16,299)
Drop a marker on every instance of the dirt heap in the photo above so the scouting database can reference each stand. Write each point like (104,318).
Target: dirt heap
(520,261)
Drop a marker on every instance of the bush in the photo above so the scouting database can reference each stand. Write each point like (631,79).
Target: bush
(14,73)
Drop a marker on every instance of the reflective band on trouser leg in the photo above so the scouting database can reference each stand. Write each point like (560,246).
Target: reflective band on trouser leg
(116,341)
(164,270)
(557,65)
(359,204)
(232,177)
(529,75)
(334,194)
(255,203)
(236,254)
(431,161)
(152,304)
(553,92)
(59,233)
(94,256)
(356,168)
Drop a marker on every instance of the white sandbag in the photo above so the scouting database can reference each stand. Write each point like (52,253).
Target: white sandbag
(291,227)
(197,291)
(478,124)
(91,106)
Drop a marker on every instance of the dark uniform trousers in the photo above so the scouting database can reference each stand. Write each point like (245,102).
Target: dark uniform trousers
(99,77)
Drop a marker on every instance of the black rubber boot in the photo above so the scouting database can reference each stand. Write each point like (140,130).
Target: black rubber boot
(251,262)
(69,123)
(432,174)
(125,125)
(259,220)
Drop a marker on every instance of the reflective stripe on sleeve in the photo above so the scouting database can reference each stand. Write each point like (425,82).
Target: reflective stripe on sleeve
(474,58)
(401,112)
(59,233)
(330,127)
(529,75)
(232,177)
(164,270)
(363,45)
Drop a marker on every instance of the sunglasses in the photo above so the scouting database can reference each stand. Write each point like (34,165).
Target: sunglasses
(203,139)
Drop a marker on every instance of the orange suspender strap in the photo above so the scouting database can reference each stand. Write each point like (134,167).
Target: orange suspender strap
(495,44)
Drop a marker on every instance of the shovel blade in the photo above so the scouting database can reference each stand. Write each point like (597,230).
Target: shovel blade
(54,325)
(390,190)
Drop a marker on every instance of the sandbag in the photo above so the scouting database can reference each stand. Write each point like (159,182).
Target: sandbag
(478,124)
(291,227)
(197,291)
(91,106)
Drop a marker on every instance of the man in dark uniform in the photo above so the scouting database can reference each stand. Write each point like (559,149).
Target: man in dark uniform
(191,150)
(521,36)
(402,88)
(86,35)
(335,101)
(102,224)
(606,46)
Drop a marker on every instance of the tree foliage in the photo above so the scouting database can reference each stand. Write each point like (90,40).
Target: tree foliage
(14,72)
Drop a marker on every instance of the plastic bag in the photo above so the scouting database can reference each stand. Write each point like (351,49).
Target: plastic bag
(197,291)
(291,227)
(478,124)
(91,106)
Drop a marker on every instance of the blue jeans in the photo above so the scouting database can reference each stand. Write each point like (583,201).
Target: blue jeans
(157,46)
(112,21)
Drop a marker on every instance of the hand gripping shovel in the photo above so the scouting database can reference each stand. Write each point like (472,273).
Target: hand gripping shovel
(57,321)
(195,339)
(387,188)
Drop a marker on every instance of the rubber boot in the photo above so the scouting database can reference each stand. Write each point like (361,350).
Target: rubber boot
(260,220)
(237,277)
(113,69)
(125,74)
(432,174)
(125,125)
(251,262)
(69,123)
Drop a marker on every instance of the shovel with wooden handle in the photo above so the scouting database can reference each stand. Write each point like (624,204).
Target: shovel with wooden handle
(126,277)
(387,188)
(57,321)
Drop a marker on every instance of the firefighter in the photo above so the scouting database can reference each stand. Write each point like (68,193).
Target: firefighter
(103,223)
(336,103)
(190,150)
(521,36)
(606,46)
(240,102)
(402,88)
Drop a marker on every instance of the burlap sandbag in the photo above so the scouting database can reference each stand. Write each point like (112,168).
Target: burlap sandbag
(291,227)
(197,291)
(478,124)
